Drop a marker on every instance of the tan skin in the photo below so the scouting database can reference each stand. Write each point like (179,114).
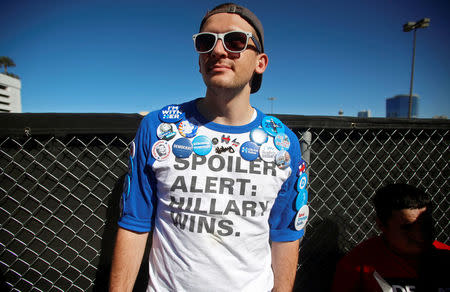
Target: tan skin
(404,233)
(227,101)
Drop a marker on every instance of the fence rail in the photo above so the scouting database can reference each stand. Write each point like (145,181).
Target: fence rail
(61,178)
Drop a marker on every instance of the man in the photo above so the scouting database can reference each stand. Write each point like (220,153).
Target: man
(404,258)
(213,212)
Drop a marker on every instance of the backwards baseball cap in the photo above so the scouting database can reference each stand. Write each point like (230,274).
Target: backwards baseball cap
(251,18)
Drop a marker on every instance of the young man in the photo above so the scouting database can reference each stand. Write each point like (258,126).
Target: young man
(227,184)
(404,258)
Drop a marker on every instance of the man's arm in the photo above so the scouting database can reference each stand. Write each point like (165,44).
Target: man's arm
(284,264)
(127,259)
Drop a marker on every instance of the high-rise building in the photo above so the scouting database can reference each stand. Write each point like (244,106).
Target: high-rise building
(10,94)
(365,114)
(398,106)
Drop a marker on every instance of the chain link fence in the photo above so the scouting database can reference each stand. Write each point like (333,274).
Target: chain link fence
(61,177)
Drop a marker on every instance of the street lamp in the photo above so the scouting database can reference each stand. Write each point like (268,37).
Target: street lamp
(271,104)
(407,27)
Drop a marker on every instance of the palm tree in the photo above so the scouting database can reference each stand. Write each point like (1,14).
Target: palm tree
(6,62)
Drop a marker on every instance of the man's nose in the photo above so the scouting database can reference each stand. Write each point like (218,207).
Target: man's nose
(219,49)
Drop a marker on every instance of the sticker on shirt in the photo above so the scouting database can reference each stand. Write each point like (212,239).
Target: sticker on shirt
(226,139)
(166,131)
(202,145)
(267,152)
(249,151)
(170,114)
(282,141)
(132,149)
(301,218)
(161,150)
(302,181)
(301,167)
(301,200)
(272,125)
(283,159)
(182,148)
(259,136)
(187,129)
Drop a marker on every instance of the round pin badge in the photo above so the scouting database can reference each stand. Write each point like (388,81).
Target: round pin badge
(202,145)
(282,141)
(301,167)
(272,125)
(130,165)
(187,129)
(170,114)
(161,150)
(301,218)
(126,186)
(132,149)
(301,200)
(259,136)
(282,159)
(249,151)
(182,148)
(166,131)
(267,152)
(302,181)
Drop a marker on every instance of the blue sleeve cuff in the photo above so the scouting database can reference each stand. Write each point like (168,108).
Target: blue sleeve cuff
(135,224)
(286,235)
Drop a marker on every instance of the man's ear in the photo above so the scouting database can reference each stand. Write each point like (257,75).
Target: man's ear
(261,63)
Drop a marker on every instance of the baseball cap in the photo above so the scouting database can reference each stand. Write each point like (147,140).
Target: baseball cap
(251,18)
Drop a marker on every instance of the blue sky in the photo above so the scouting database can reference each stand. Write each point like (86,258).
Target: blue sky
(133,56)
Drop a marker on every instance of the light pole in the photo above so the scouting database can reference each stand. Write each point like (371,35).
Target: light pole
(407,27)
(271,104)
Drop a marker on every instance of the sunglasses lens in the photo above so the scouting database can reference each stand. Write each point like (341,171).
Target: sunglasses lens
(204,42)
(235,41)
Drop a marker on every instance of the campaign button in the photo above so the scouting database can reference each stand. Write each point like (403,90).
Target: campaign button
(166,131)
(282,141)
(202,145)
(283,159)
(267,152)
(301,218)
(126,186)
(249,151)
(170,114)
(132,149)
(161,150)
(302,181)
(272,125)
(302,199)
(187,129)
(301,167)
(258,135)
(182,148)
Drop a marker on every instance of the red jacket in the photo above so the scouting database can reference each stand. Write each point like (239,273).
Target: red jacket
(372,266)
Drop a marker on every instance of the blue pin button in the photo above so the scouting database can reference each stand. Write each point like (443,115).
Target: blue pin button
(202,145)
(301,200)
(170,114)
(282,141)
(187,129)
(182,148)
(272,125)
(259,136)
(302,181)
(249,150)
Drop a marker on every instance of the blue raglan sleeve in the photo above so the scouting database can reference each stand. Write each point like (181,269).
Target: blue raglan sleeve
(138,201)
(284,211)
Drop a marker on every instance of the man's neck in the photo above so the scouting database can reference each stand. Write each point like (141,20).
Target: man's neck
(226,108)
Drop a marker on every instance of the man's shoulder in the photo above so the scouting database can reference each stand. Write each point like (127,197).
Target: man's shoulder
(367,250)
